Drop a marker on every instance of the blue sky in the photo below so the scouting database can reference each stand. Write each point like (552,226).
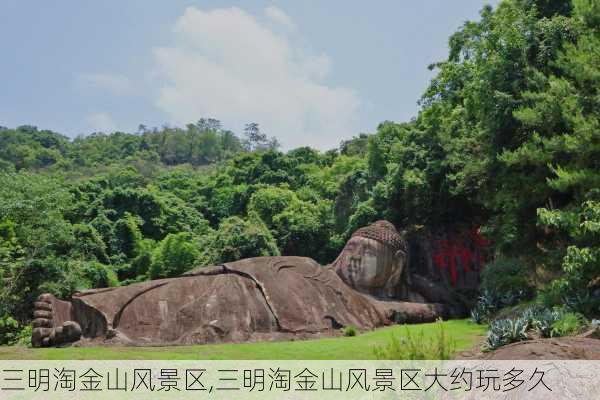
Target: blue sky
(309,72)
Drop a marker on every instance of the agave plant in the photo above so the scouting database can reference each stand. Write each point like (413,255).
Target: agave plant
(532,314)
(517,329)
(496,334)
(490,300)
(494,340)
(544,321)
(486,305)
(505,331)
(477,315)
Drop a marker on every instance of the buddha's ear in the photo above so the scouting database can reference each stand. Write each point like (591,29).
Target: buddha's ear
(401,255)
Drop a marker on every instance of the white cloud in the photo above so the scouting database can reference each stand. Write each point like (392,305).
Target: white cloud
(101,122)
(115,84)
(226,64)
(277,15)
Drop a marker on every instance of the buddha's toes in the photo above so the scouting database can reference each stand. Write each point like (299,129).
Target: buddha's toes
(43,322)
(46,330)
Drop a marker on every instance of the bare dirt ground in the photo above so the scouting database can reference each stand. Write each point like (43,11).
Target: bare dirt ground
(565,348)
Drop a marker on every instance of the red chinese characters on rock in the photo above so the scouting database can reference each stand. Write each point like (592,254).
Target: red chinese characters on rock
(466,252)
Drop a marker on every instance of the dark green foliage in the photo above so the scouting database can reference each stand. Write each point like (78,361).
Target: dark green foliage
(357,146)
(10,330)
(237,238)
(349,331)
(491,301)
(198,144)
(364,214)
(303,228)
(99,275)
(88,243)
(270,202)
(128,235)
(174,255)
(506,277)
(140,265)
(29,148)
(504,283)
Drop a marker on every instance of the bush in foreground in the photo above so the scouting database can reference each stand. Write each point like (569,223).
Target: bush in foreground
(349,331)
(537,320)
(569,323)
(418,347)
(11,332)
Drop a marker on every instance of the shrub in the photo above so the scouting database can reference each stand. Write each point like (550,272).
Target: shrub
(417,347)
(99,275)
(578,300)
(8,330)
(569,323)
(583,302)
(175,254)
(270,201)
(11,332)
(581,261)
(506,278)
(24,336)
(550,296)
(239,238)
(547,322)
(544,321)
(490,301)
(349,331)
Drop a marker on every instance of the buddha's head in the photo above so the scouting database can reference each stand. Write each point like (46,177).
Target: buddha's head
(374,259)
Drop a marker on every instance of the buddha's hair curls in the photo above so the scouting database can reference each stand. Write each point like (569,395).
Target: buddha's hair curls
(384,232)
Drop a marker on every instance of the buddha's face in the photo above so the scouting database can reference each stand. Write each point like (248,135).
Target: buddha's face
(369,265)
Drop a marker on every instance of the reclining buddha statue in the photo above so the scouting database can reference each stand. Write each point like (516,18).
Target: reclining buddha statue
(262,298)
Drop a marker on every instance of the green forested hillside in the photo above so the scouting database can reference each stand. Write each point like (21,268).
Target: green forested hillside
(508,138)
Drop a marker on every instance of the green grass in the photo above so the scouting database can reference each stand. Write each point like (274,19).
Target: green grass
(419,346)
(360,347)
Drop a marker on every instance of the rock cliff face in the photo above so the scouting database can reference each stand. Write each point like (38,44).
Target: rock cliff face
(453,258)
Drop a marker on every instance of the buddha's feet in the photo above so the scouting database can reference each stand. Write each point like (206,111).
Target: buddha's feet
(47,331)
